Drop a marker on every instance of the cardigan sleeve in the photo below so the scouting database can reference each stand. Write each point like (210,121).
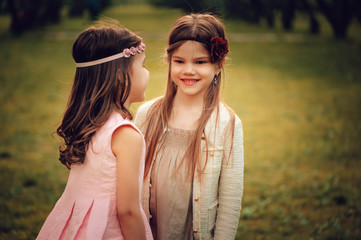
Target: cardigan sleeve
(139,121)
(141,115)
(230,190)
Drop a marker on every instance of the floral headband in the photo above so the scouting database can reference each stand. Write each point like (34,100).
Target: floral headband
(218,47)
(127,52)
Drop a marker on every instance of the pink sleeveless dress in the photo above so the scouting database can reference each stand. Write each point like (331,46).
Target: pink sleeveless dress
(87,209)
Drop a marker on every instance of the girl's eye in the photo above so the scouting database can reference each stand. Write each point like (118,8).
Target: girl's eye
(178,61)
(200,62)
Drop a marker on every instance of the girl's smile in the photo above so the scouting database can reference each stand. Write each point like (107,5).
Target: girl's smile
(192,70)
(189,81)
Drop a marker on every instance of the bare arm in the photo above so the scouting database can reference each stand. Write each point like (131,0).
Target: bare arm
(127,146)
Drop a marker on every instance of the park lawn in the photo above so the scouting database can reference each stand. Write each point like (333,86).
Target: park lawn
(299,103)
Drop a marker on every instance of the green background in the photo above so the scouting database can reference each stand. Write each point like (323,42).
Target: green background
(298,96)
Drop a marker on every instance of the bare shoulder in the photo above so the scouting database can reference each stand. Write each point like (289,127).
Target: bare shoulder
(126,138)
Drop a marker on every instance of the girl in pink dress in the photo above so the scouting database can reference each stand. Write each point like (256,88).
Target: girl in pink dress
(102,148)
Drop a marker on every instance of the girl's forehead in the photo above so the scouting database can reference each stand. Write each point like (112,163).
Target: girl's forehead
(191,48)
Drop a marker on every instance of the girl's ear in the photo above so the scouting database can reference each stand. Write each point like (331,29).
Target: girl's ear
(220,66)
(223,61)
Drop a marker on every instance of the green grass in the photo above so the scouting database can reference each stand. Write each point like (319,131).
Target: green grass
(299,103)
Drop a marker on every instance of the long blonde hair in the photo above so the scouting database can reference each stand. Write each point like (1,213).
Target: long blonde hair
(196,27)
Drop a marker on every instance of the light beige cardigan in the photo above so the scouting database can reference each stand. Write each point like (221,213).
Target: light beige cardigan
(217,197)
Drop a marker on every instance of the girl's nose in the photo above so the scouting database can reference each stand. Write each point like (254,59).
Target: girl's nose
(189,69)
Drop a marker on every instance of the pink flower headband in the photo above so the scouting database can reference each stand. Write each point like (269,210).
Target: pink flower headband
(127,52)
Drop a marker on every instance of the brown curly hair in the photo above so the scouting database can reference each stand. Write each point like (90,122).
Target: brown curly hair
(97,90)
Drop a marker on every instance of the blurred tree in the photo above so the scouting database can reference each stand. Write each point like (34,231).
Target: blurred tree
(251,10)
(288,14)
(339,14)
(357,10)
(189,6)
(104,3)
(27,15)
(76,8)
(52,11)
(213,6)
(95,7)
(193,6)
(268,7)
(158,2)
(248,10)
(314,25)
(2,6)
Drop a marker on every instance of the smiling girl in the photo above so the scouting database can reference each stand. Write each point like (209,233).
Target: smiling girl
(193,181)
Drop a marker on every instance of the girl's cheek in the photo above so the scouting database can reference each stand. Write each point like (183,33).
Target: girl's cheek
(176,69)
(147,74)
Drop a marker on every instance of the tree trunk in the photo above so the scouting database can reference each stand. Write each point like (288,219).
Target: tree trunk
(339,14)
(288,14)
(314,24)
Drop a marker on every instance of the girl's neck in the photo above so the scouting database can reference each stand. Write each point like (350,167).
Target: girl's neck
(185,112)
(127,104)
(188,101)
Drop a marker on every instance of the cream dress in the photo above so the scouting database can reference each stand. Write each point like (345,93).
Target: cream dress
(171,189)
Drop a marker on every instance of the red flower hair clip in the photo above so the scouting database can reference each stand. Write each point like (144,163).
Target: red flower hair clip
(219,49)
